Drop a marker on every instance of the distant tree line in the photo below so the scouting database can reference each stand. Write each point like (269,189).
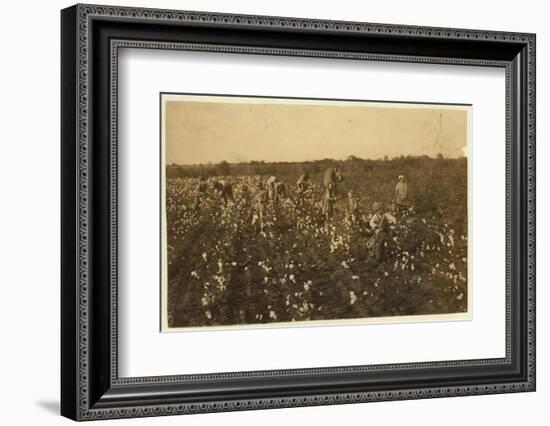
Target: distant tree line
(351,165)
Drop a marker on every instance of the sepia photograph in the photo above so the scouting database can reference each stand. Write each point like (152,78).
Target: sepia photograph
(297,211)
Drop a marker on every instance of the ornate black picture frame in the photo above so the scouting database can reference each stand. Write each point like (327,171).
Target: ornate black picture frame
(91,387)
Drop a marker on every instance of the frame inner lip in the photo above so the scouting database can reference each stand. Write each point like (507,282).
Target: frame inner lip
(115,45)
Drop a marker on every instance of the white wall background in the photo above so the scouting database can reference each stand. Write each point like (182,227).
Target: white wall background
(29,211)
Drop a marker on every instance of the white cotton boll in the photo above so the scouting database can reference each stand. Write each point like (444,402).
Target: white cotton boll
(352,297)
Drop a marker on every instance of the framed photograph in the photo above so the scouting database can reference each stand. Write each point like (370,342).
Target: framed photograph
(263,212)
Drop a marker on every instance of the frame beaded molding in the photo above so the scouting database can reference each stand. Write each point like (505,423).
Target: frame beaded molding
(87,12)
(287,402)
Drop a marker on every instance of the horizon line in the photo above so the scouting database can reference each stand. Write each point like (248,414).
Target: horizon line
(414,157)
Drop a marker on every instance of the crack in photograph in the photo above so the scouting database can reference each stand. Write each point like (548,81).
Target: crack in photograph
(299,211)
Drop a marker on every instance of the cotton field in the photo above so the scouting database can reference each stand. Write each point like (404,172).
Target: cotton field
(224,270)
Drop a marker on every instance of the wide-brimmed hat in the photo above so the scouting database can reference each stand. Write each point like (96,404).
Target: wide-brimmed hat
(401,177)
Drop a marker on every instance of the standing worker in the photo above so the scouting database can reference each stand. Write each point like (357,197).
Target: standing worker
(352,208)
(223,190)
(259,200)
(200,192)
(271,181)
(327,203)
(401,191)
(303,182)
(332,175)
(380,224)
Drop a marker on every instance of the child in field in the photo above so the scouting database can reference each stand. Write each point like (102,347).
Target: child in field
(401,193)
(327,204)
(271,182)
(380,224)
(259,199)
(302,186)
(303,182)
(223,190)
(200,193)
(352,208)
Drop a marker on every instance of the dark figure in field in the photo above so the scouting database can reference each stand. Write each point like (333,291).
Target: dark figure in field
(327,203)
(200,192)
(279,192)
(222,190)
(380,225)
(401,191)
(276,189)
(259,200)
(270,182)
(302,183)
(352,208)
(332,176)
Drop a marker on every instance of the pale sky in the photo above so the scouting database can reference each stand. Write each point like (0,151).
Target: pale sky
(200,129)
